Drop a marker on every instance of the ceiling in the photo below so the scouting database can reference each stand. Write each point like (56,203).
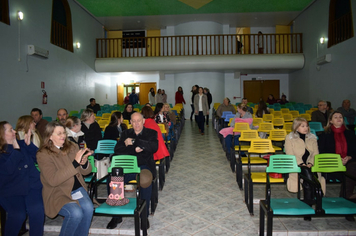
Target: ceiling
(157,14)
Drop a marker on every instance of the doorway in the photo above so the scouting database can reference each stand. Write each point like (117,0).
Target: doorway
(254,90)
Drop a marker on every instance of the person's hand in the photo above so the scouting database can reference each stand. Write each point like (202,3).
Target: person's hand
(128,142)
(309,165)
(138,149)
(82,155)
(345,160)
(28,137)
(207,112)
(15,144)
(196,112)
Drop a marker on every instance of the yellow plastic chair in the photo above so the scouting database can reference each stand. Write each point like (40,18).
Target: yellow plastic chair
(216,105)
(309,112)
(271,110)
(256,121)
(288,127)
(294,113)
(313,109)
(231,119)
(260,147)
(102,123)
(106,116)
(277,136)
(126,122)
(288,117)
(306,116)
(267,117)
(277,114)
(285,110)
(97,118)
(265,127)
(136,109)
(278,122)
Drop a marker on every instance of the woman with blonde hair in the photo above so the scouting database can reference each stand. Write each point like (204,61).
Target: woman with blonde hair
(74,133)
(24,124)
(304,146)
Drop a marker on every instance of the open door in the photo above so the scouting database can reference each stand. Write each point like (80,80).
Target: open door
(144,90)
(254,90)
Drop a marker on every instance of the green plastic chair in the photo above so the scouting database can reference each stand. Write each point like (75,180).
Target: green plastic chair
(136,206)
(331,163)
(91,178)
(270,207)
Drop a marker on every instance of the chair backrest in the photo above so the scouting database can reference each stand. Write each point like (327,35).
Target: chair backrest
(226,113)
(288,127)
(72,112)
(248,135)
(261,146)
(283,164)
(285,110)
(313,109)
(241,126)
(317,126)
(268,117)
(228,117)
(47,118)
(308,112)
(288,117)
(295,114)
(265,127)
(127,162)
(328,163)
(102,123)
(256,121)
(271,110)
(277,114)
(278,121)
(162,127)
(306,116)
(92,163)
(105,146)
(277,135)
(105,116)
(126,122)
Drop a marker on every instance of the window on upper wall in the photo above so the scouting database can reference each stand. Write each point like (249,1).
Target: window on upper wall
(61,30)
(4,11)
(340,22)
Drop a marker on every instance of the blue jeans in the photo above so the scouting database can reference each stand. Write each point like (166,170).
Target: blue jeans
(77,218)
(228,142)
(18,206)
(201,121)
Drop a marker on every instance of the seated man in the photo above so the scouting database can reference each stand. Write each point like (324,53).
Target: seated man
(94,106)
(143,143)
(40,123)
(225,106)
(249,109)
(349,113)
(322,114)
(62,115)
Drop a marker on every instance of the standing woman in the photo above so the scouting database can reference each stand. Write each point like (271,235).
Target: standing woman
(151,96)
(338,139)
(24,124)
(164,96)
(201,109)
(179,96)
(62,167)
(90,128)
(210,100)
(116,126)
(21,188)
(159,96)
(304,146)
(74,133)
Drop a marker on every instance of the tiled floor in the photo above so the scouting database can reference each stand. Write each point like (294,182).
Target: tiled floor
(201,198)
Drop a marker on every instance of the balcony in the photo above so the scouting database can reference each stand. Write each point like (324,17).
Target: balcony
(228,52)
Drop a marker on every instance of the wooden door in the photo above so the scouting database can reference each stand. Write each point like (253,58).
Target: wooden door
(144,90)
(254,90)
(120,94)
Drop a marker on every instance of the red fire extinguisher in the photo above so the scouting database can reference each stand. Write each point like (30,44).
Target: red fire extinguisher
(44,97)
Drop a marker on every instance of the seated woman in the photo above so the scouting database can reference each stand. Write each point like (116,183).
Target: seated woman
(159,116)
(116,126)
(271,100)
(74,133)
(171,117)
(90,128)
(128,112)
(242,113)
(62,167)
(304,146)
(24,124)
(21,188)
(262,109)
(338,139)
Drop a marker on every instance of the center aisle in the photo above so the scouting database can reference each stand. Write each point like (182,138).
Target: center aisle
(200,196)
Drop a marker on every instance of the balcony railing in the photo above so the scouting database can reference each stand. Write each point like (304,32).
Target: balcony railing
(197,45)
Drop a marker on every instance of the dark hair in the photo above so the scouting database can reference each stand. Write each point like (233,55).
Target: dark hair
(91,99)
(244,98)
(63,109)
(115,117)
(37,109)
(262,109)
(3,143)
(181,89)
(127,106)
(158,108)
(153,92)
(47,142)
(328,126)
(147,112)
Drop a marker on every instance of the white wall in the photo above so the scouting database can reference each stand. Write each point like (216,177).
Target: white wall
(334,81)
(69,77)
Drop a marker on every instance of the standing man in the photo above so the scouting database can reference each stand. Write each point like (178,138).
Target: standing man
(133,97)
(36,114)
(249,109)
(349,113)
(62,115)
(322,114)
(94,106)
(142,143)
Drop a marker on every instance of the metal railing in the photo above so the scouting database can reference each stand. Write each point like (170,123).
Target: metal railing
(197,45)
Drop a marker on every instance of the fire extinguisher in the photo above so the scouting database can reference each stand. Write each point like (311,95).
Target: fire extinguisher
(44,97)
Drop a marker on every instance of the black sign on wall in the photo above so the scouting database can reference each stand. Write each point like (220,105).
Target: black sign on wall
(134,39)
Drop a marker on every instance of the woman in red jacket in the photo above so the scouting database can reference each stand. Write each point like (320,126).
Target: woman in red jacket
(179,96)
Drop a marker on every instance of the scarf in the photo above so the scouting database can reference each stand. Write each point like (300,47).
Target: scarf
(340,141)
